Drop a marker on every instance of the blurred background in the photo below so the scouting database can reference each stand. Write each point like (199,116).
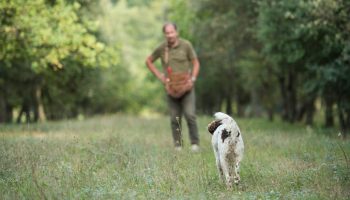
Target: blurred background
(277,59)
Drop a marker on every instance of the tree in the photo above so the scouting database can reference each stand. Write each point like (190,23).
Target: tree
(222,34)
(308,41)
(44,39)
(283,45)
(136,37)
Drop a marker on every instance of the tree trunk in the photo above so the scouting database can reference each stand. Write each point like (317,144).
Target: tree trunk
(329,120)
(307,109)
(344,119)
(6,114)
(2,109)
(291,97)
(283,90)
(25,109)
(301,111)
(40,105)
(240,103)
(256,108)
(341,119)
(229,104)
(270,114)
(310,111)
(9,113)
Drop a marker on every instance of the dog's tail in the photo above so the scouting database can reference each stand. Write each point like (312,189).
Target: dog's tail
(222,116)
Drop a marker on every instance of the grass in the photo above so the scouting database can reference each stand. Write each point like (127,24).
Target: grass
(126,157)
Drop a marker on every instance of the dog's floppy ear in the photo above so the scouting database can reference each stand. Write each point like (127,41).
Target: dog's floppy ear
(213,126)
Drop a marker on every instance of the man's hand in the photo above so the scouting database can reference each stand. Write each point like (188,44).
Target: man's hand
(154,70)
(164,79)
(193,79)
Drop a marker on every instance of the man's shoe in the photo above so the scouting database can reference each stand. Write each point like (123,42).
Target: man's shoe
(178,148)
(195,147)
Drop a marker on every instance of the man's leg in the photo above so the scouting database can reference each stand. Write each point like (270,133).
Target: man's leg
(175,119)
(189,109)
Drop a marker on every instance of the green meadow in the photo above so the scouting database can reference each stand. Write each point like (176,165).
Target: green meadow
(128,157)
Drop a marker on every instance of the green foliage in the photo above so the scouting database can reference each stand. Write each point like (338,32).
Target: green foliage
(183,14)
(305,39)
(46,35)
(257,57)
(126,157)
(136,37)
(271,55)
(259,77)
(285,46)
(221,33)
(54,47)
(276,31)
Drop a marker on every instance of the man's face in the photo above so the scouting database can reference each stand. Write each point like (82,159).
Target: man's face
(170,34)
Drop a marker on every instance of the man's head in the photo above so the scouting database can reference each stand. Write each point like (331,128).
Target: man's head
(170,33)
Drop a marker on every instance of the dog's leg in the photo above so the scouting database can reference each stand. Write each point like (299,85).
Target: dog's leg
(227,173)
(218,165)
(237,178)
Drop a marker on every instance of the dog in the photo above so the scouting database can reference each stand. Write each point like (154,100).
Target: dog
(228,147)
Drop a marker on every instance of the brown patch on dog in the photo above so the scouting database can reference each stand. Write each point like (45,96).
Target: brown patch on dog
(213,126)
(225,134)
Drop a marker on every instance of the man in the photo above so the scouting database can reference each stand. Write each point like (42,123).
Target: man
(180,55)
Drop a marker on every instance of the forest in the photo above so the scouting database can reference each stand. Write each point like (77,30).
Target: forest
(286,59)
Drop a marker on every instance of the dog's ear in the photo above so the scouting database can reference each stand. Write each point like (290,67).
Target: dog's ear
(213,126)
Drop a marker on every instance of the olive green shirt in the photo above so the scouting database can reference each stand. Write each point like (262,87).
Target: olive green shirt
(179,57)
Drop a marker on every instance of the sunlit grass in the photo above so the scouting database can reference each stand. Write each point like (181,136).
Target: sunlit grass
(125,157)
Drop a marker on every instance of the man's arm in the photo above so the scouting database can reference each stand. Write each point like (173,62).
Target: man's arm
(154,70)
(195,62)
(195,70)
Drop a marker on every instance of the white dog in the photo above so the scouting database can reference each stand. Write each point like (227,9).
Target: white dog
(228,147)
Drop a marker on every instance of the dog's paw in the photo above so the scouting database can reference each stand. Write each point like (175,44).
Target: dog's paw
(236,180)
(229,185)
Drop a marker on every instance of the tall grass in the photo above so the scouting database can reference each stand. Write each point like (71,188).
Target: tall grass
(126,157)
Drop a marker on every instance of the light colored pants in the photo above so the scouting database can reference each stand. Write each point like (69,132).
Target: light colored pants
(185,105)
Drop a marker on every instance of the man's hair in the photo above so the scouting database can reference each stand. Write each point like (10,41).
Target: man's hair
(167,24)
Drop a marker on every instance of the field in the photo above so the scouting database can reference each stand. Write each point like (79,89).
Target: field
(127,157)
